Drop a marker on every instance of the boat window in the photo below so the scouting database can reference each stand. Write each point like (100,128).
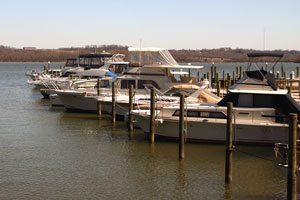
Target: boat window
(204,114)
(125,84)
(192,113)
(142,83)
(117,68)
(217,115)
(176,113)
(263,101)
(245,100)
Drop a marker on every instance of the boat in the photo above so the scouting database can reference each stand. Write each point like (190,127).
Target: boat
(85,62)
(260,113)
(147,66)
(99,68)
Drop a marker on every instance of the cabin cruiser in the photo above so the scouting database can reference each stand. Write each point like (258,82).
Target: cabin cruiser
(148,66)
(86,61)
(142,101)
(260,114)
(88,80)
(92,66)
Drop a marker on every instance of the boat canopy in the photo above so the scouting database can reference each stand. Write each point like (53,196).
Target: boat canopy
(256,80)
(150,56)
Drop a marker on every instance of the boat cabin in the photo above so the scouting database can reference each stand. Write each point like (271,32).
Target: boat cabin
(71,62)
(89,61)
(258,89)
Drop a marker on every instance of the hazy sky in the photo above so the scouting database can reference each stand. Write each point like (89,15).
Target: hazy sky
(193,24)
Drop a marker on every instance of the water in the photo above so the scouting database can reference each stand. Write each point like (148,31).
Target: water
(47,153)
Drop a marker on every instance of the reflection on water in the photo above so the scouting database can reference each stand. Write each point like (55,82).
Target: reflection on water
(47,153)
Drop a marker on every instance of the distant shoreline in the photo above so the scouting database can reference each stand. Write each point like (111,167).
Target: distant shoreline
(221,55)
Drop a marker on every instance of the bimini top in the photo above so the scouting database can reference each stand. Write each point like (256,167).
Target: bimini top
(256,80)
(265,54)
(150,56)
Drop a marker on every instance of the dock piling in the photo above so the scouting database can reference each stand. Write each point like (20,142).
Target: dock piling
(99,109)
(292,159)
(181,128)
(130,127)
(113,103)
(228,162)
(152,116)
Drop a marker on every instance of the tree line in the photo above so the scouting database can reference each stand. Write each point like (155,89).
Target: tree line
(11,54)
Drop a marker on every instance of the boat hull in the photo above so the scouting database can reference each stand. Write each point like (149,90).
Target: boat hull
(78,102)
(216,132)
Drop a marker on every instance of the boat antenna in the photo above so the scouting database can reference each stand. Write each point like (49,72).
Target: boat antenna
(140,63)
(78,57)
(264,39)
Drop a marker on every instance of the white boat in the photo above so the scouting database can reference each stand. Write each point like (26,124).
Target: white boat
(86,62)
(260,114)
(148,66)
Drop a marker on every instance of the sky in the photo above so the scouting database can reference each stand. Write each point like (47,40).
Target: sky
(184,24)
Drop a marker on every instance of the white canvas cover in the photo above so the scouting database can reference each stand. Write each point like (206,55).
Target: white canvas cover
(150,56)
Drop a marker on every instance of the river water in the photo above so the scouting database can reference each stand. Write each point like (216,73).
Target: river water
(47,153)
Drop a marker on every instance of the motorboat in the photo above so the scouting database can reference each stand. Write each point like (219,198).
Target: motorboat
(260,113)
(147,66)
(85,62)
(98,68)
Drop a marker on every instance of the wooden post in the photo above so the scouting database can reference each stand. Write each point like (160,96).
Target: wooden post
(237,71)
(218,88)
(45,69)
(289,90)
(189,73)
(298,71)
(224,86)
(292,159)
(233,77)
(229,81)
(152,116)
(228,162)
(240,72)
(277,75)
(215,72)
(61,67)
(181,128)
(211,74)
(282,71)
(130,127)
(198,76)
(207,76)
(99,109)
(216,79)
(113,103)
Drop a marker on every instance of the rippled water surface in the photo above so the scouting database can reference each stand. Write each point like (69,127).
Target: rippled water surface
(46,153)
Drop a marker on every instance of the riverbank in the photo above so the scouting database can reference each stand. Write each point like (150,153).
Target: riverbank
(221,55)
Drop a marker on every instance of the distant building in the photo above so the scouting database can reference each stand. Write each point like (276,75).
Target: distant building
(29,48)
